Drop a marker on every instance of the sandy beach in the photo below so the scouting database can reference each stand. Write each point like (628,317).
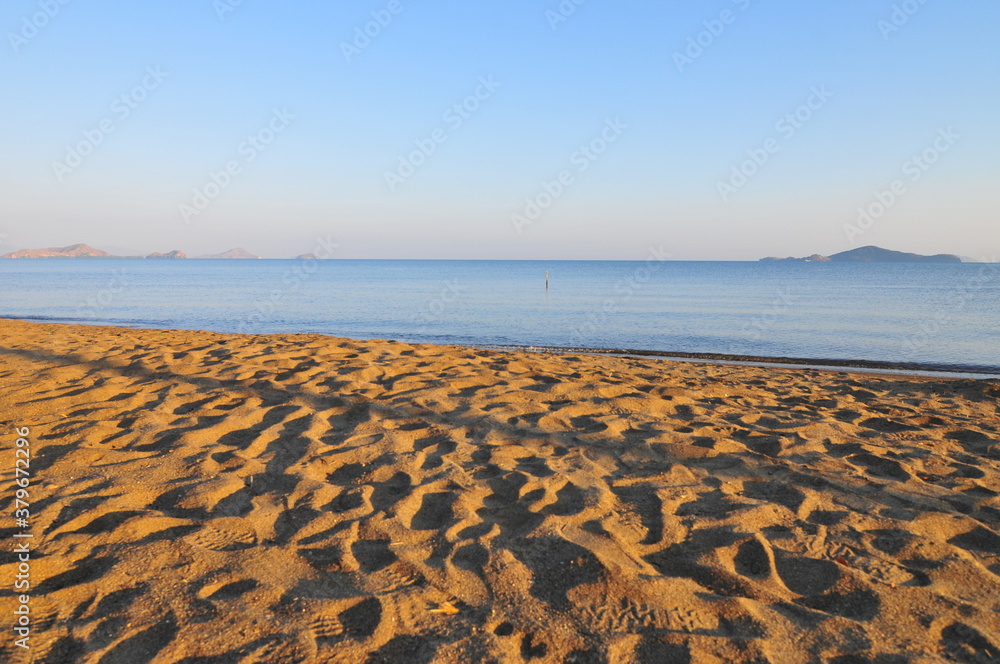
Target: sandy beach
(202,498)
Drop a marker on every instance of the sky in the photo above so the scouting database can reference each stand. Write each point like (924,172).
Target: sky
(581,129)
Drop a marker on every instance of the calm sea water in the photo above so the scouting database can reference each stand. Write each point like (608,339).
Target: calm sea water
(943,314)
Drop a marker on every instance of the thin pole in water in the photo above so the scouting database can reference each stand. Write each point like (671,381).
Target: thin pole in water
(546,280)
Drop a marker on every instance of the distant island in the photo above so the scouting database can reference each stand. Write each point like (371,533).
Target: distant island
(72,251)
(172,254)
(815,258)
(86,251)
(871,254)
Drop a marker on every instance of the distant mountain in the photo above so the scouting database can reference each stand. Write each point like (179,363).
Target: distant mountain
(871,254)
(72,251)
(85,251)
(815,258)
(307,257)
(233,254)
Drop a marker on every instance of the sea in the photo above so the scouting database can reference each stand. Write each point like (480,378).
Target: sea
(920,316)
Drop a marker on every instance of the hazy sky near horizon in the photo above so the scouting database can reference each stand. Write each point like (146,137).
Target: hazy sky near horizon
(584,129)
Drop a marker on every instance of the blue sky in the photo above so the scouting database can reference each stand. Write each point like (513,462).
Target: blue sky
(311,128)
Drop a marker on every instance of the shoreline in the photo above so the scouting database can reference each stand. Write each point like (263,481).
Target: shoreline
(874,367)
(453,504)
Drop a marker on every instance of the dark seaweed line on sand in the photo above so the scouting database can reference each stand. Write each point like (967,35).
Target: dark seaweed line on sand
(987,371)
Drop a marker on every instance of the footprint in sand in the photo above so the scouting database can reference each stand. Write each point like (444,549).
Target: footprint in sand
(226,534)
(435,512)
(629,617)
(533,649)
(879,467)
(373,555)
(625,616)
(327,629)
(357,620)
(144,644)
(806,576)
(281,650)
(226,590)
(393,578)
(966,644)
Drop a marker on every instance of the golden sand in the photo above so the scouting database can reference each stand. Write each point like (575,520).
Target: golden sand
(202,498)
